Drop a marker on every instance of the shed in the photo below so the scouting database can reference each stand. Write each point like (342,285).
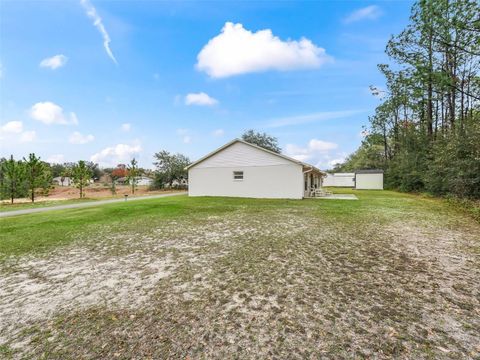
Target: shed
(241,169)
(369,179)
(340,180)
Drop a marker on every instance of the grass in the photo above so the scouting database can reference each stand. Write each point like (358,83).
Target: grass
(389,275)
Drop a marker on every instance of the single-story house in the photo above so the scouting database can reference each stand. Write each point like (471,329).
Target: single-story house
(141,181)
(369,179)
(144,181)
(241,169)
(62,181)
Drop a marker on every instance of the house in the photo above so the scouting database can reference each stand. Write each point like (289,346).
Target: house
(180,183)
(141,181)
(144,181)
(340,180)
(241,169)
(369,179)
(62,181)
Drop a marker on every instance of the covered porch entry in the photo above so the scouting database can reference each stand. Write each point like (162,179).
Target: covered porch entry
(312,180)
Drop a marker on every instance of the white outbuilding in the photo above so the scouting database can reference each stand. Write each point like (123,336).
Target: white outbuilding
(241,169)
(340,180)
(369,179)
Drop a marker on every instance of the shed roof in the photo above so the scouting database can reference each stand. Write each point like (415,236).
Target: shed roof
(234,141)
(369,171)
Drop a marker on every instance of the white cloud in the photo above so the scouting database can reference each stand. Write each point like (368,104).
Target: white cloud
(54,62)
(78,138)
(97,22)
(187,139)
(126,127)
(56,159)
(50,113)
(218,133)
(238,51)
(371,12)
(13,131)
(12,127)
(309,118)
(201,99)
(28,136)
(314,152)
(118,154)
(334,162)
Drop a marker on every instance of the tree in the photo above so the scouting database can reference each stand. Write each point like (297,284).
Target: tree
(12,178)
(262,139)
(57,169)
(429,120)
(37,174)
(119,172)
(81,176)
(170,167)
(133,174)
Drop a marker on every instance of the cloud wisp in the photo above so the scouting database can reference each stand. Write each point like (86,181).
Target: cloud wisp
(237,50)
(126,127)
(80,139)
(98,23)
(200,99)
(13,130)
(316,152)
(371,12)
(310,118)
(50,113)
(218,133)
(54,62)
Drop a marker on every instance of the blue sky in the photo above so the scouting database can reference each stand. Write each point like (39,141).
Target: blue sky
(109,80)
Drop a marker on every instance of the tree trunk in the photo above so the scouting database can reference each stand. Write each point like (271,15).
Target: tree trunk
(430,87)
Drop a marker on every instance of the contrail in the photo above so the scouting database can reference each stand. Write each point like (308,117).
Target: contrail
(97,22)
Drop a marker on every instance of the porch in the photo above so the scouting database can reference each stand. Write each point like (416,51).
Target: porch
(312,181)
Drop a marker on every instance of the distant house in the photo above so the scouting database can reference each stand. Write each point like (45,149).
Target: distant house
(62,181)
(180,183)
(141,181)
(144,181)
(242,169)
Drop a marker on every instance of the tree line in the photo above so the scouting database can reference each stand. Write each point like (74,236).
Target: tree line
(425,133)
(30,176)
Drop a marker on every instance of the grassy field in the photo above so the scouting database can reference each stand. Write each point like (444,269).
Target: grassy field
(389,275)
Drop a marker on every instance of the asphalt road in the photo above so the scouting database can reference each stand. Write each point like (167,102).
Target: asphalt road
(81,205)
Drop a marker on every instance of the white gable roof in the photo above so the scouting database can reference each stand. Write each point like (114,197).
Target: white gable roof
(241,153)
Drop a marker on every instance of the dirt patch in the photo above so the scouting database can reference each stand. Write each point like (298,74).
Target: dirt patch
(76,279)
(264,283)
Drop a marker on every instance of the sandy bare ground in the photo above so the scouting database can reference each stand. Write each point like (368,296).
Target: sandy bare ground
(94,191)
(285,284)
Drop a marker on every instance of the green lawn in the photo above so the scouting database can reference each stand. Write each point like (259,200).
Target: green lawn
(389,275)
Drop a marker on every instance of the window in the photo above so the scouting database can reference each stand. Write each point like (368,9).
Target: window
(238,175)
